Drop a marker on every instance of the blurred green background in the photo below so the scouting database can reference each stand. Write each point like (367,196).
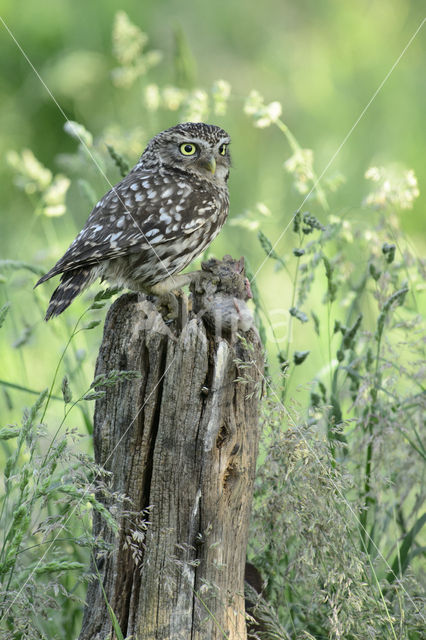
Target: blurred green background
(323,61)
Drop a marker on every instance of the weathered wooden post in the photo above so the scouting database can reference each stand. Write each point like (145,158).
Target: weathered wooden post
(181,442)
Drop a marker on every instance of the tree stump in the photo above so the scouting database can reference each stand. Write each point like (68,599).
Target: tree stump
(181,443)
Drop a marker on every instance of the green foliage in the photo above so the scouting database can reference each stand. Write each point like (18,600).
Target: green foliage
(45,509)
(122,165)
(337,524)
(36,525)
(337,527)
(305,541)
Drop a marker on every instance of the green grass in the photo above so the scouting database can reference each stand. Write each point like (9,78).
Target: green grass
(338,516)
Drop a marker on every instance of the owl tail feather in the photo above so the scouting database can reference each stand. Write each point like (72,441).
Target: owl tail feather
(72,283)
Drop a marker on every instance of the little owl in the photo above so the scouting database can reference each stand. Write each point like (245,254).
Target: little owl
(154,222)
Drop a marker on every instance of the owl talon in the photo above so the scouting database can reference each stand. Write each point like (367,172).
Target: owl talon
(173,307)
(167,304)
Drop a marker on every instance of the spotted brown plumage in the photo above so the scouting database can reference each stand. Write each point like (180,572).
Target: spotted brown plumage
(154,222)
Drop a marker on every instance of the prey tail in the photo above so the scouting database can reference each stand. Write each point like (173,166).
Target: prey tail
(72,283)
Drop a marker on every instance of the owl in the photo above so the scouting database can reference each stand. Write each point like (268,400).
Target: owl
(154,222)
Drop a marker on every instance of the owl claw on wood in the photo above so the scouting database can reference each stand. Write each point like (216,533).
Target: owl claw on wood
(154,222)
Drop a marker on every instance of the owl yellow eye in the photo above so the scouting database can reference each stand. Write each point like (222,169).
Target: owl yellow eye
(188,149)
(222,149)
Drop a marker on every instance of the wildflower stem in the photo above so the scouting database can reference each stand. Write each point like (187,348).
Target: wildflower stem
(295,147)
(293,301)
(55,375)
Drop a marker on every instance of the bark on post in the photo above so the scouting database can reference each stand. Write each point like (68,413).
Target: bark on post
(181,443)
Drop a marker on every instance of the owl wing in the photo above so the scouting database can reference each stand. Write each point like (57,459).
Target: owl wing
(141,211)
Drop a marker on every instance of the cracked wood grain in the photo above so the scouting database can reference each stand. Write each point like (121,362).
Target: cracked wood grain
(181,442)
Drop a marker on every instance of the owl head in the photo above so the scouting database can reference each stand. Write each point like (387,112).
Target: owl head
(193,147)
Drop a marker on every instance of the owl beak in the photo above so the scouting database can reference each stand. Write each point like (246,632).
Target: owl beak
(209,164)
